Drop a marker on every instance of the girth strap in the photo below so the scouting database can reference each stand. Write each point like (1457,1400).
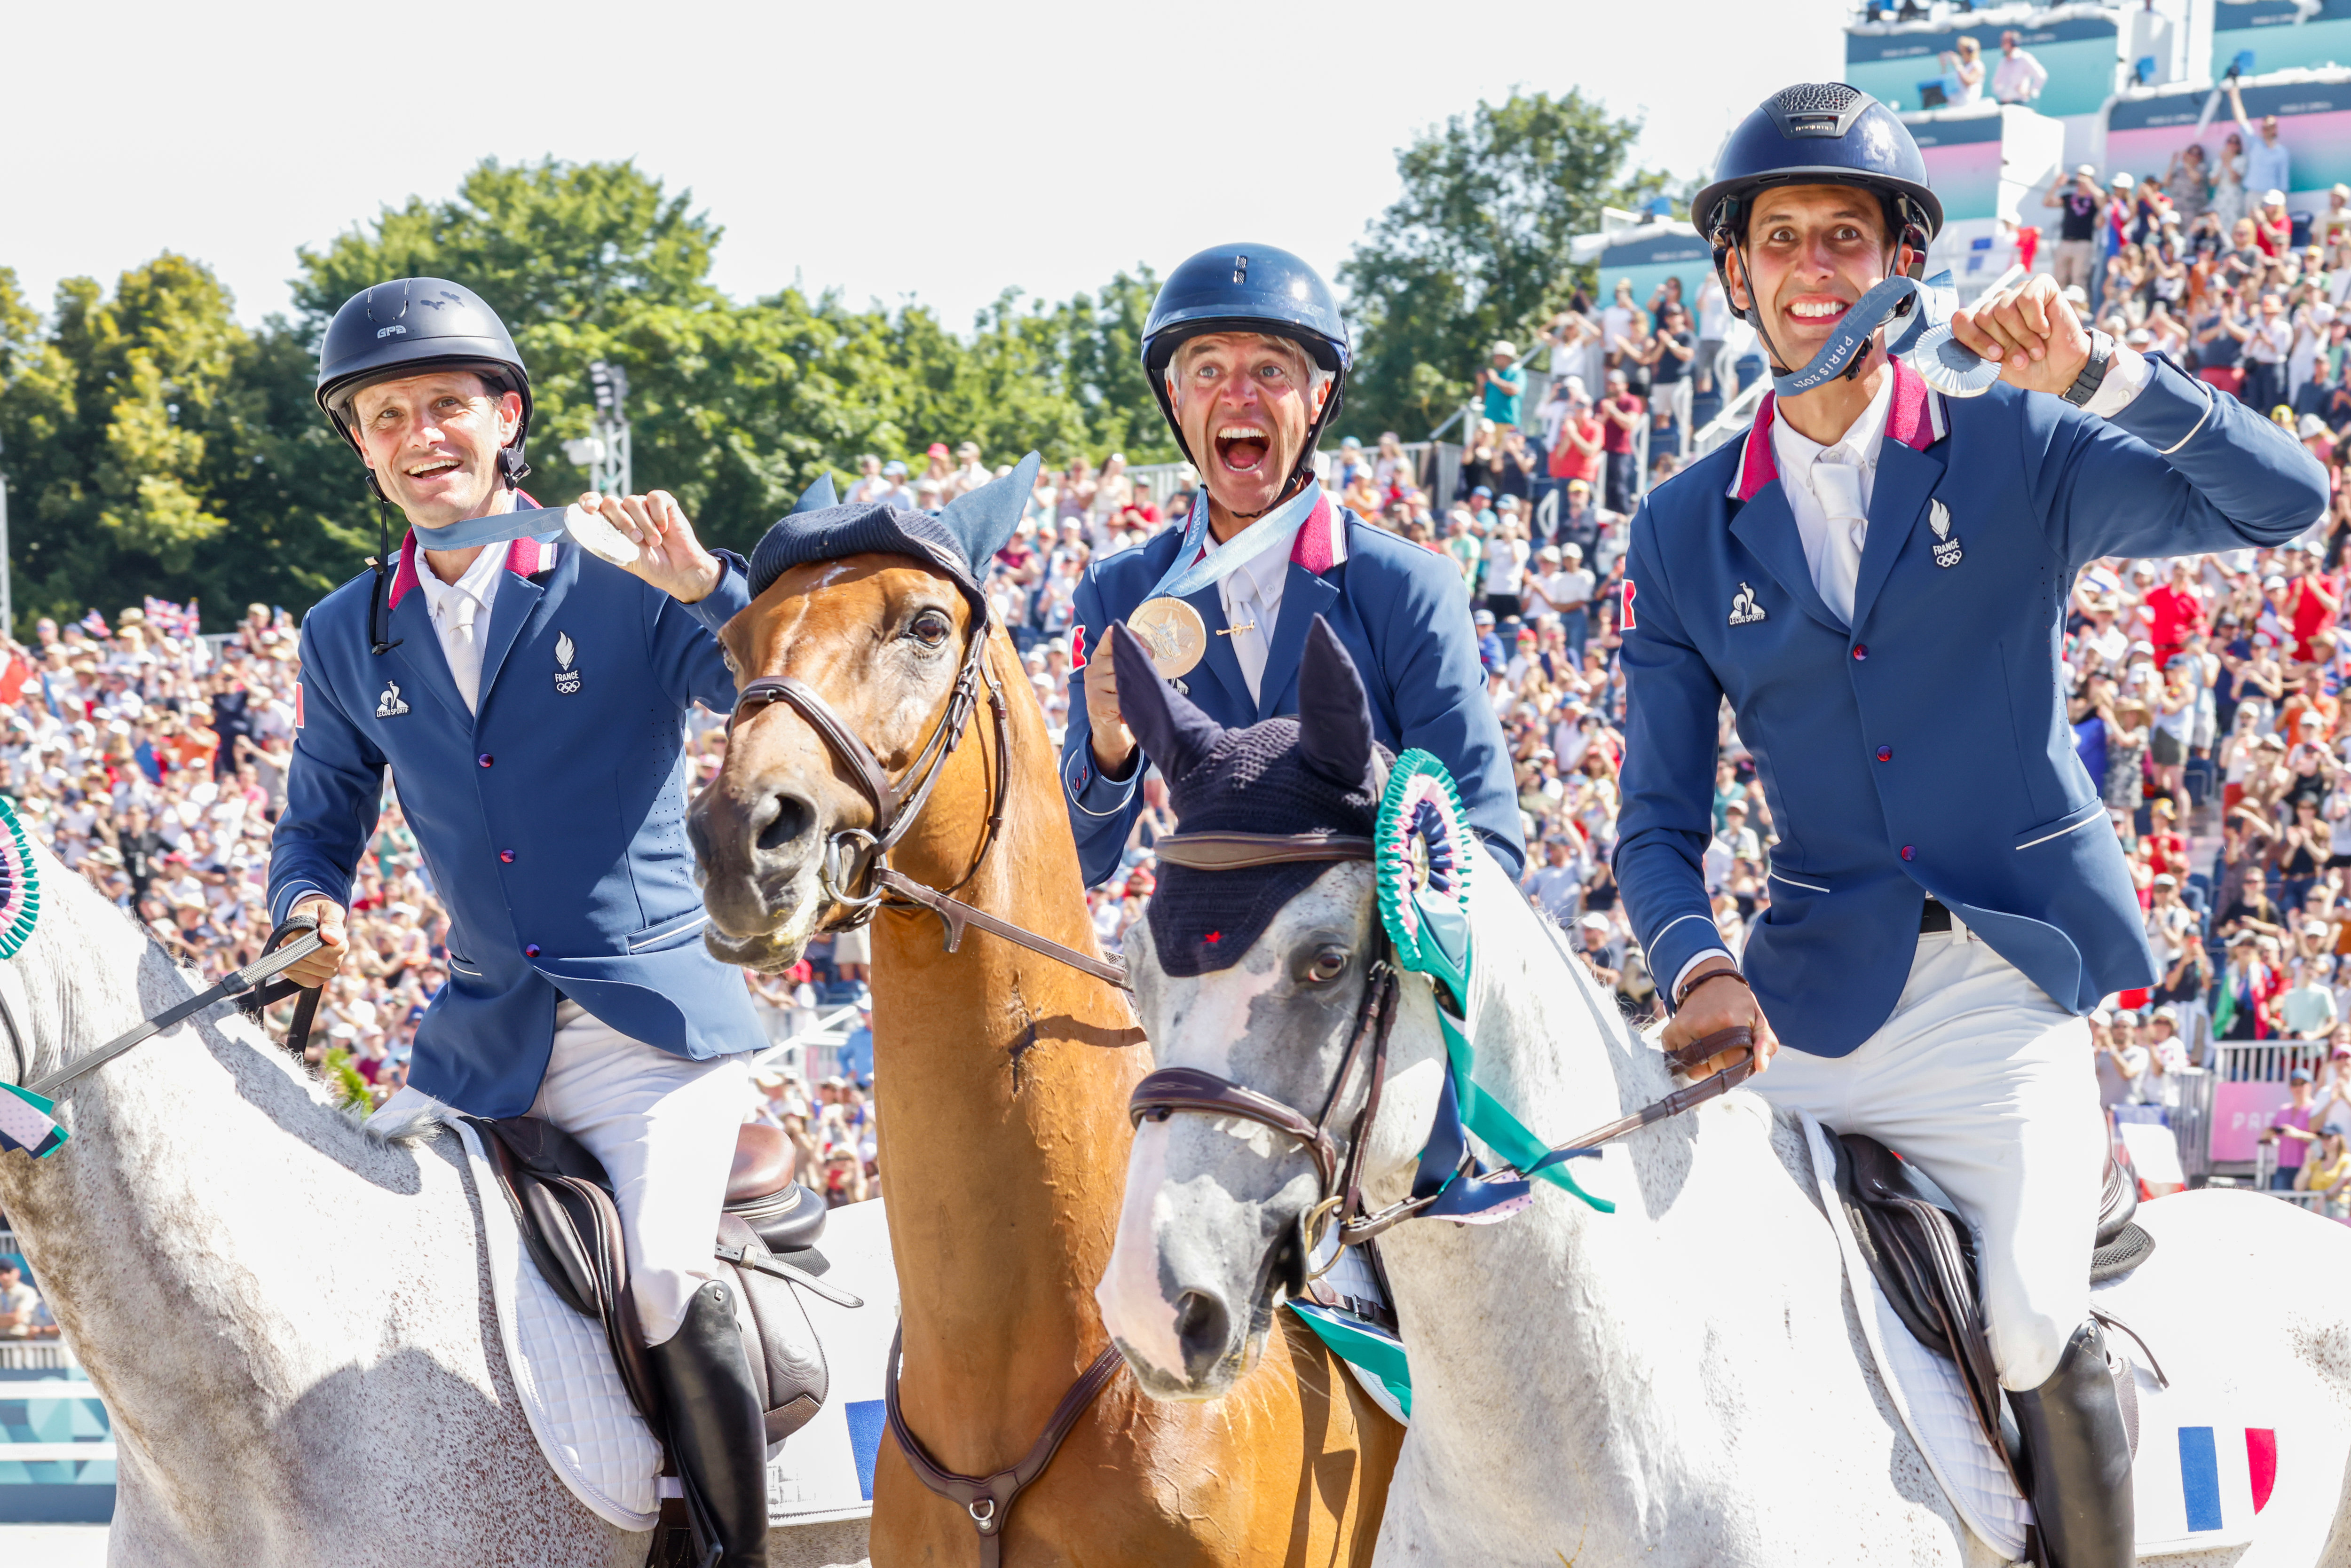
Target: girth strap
(989,1498)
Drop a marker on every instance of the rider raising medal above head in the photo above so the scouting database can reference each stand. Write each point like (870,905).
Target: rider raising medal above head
(1246,350)
(1874,579)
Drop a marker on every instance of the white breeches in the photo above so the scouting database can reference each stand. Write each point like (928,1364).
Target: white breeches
(664,1129)
(1987,1085)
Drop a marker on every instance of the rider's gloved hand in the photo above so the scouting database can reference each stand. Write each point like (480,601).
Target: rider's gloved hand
(320,966)
(1711,1010)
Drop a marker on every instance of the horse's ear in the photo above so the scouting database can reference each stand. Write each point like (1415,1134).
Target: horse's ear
(982,521)
(1173,731)
(817,496)
(1334,715)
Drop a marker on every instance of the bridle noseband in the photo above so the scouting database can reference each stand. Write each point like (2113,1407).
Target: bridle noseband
(855,871)
(1341,1199)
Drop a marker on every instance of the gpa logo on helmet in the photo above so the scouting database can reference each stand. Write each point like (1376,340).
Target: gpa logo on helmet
(387,331)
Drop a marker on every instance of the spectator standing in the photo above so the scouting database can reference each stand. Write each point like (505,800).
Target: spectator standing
(2267,165)
(2018,78)
(2081,203)
(1669,354)
(2266,347)
(1620,413)
(1714,320)
(21,1313)
(1504,387)
(868,485)
(1963,72)
(2289,1130)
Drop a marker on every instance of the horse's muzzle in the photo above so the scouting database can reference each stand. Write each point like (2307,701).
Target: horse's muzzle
(757,851)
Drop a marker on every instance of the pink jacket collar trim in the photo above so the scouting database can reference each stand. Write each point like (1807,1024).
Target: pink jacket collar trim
(1322,541)
(525,557)
(1915,420)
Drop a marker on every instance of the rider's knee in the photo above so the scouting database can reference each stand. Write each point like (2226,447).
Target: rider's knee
(2026,1346)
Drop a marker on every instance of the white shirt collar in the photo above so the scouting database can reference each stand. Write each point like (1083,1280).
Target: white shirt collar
(479,582)
(1859,445)
(1267,572)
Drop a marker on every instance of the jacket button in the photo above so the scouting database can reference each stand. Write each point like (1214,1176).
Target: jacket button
(484,757)
(507,855)
(1860,651)
(531,949)
(1909,852)
(1884,754)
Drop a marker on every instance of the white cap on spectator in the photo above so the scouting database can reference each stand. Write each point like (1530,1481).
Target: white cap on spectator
(2314,426)
(1502,346)
(2077,294)
(2123,181)
(2089,169)
(1594,923)
(2273,199)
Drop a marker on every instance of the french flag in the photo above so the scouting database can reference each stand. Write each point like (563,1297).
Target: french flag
(2206,1485)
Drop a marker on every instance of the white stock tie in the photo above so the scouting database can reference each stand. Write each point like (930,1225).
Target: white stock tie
(464,651)
(1838,486)
(1250,633)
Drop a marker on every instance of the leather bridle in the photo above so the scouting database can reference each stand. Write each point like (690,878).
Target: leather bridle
(1170,1090)
(855,872)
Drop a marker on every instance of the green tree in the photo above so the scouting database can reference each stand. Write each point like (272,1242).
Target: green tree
(1476,248)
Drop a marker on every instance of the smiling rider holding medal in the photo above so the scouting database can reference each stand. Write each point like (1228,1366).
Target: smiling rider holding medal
(1246,352)
(1875,580)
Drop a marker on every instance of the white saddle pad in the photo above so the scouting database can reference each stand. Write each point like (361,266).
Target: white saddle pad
(2202,1471)
(593,1438)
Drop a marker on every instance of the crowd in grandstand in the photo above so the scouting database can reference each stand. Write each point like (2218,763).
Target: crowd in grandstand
(2205,692)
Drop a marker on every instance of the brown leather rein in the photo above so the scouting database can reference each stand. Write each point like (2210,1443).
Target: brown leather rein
(1172,1089)
(855,855)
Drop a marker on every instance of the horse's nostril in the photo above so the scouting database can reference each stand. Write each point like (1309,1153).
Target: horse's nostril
(792,818)
(1202,1327)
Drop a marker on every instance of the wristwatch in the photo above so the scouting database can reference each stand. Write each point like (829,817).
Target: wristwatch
(2086,385)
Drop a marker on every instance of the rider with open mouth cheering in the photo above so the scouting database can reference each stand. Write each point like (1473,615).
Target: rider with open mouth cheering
(1875,580)
(1246,350)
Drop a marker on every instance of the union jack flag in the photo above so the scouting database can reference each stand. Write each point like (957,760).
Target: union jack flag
(95,625)
(172,620)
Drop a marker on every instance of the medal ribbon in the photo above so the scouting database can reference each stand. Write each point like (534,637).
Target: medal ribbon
(1278,527)
(497,528)
(1924,340)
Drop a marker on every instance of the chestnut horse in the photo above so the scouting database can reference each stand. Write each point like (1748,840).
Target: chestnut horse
(1002,1106)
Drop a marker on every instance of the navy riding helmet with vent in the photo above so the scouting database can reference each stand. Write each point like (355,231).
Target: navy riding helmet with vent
(402,328)
(413,324)
(1818,133)
(1248,288)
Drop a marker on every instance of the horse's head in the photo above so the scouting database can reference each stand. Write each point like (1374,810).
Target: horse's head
(1260,980)
(860,662)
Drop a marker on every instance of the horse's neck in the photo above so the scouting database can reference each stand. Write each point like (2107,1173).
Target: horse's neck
(190,1233)
(1002,1118)
(1604,1314)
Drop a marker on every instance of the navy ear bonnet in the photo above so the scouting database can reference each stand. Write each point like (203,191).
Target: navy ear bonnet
(1321,771)
(959,540)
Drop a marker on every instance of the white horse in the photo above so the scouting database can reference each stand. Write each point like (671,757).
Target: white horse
(1680,1381)
(288,1317)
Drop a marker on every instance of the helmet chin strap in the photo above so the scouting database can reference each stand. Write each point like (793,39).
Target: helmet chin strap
(1913,239)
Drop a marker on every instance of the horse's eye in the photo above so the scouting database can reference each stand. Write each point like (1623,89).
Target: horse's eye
(1327,965)
(931,628)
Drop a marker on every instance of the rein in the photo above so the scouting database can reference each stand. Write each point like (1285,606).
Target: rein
(1170,1090)
(855,855)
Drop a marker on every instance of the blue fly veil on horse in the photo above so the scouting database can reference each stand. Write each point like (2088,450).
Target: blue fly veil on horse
(960,539)
(1319,771)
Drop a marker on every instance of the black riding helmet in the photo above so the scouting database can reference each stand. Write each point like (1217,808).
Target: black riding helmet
(398,328)
(413,324)
(1817,133)
(1248,288)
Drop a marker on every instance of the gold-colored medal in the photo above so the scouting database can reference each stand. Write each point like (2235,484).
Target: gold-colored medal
(1173,633)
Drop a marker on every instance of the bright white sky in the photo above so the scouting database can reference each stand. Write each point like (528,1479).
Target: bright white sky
(888,149)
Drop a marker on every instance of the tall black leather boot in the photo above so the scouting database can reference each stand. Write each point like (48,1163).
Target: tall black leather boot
(2080,1458)
(716,1431)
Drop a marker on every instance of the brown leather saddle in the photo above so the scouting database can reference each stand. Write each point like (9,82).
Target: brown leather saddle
(766,1247)
(1924,1257)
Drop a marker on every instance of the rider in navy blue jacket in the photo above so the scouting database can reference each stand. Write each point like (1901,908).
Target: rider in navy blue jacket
(1875,580)
(1248,355)
(527,699)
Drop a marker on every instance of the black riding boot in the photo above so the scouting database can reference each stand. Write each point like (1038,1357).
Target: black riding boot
(715,1430)
(2080,1458)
